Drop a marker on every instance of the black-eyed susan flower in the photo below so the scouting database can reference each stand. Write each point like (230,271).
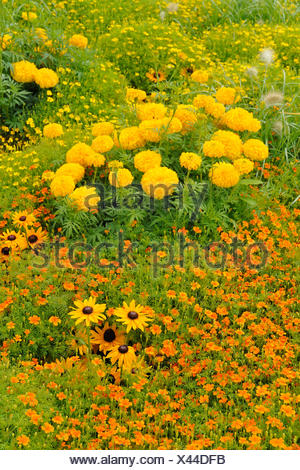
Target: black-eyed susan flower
(13,239)
(124,355)
(36,237)
(87,311)
(132,316)
(107,338)
(23,219)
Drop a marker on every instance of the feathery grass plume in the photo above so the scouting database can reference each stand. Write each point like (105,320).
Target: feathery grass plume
(252,72)
(273,98)
(267,56)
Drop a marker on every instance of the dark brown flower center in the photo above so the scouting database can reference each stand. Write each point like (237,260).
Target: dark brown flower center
(87,310)
(109,335)
(134,370)
(5,250)
(189,70)
(123,349)
(22,218)
(133,315)
(32,238)
(11,237)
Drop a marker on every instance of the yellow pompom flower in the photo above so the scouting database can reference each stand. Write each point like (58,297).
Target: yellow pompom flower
(75,170)
(187,116)
(102,128)
(85,198)
(5,41)
(46,78)
(131,138)
(78,40)
(53,130)
(95,159)
(227,95)
(134,94)
(190,160)
(151,130)
(120,178)
(80,153)
(224,175)
(231,141)
(170,125)
(102,144)
(23,71)
(243,165)
(203,101)
(159,182)
(217,110)
(62,185)
(214,149)
(149,111)
(147,159)
(255,150)
(200,76)
(239,119)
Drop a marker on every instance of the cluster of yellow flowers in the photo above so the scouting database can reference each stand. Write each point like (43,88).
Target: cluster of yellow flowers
(26,72)
(78,40)
(156,122)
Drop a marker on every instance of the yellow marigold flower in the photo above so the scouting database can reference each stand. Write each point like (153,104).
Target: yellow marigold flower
(80,153)
(131,138)
(187,116)
(213,148)
(216,110)
(243,165)
(159,182)
(239,119)
(95,159)
(151,130)
(231,141)
(255,150)
(75,170)
(78,40)
(203,101)
(29,16)
(134,94)
(115,164)
(53,130)
(102,144)
(149,111)
(48,175)
(190,160)
(120,178)
(5,41)
(85,198)
(227,95)
(200,76)
(62,185)
(224,175)
(102,128)
(147,159)
(23,71)
(46,78)
(170,125)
